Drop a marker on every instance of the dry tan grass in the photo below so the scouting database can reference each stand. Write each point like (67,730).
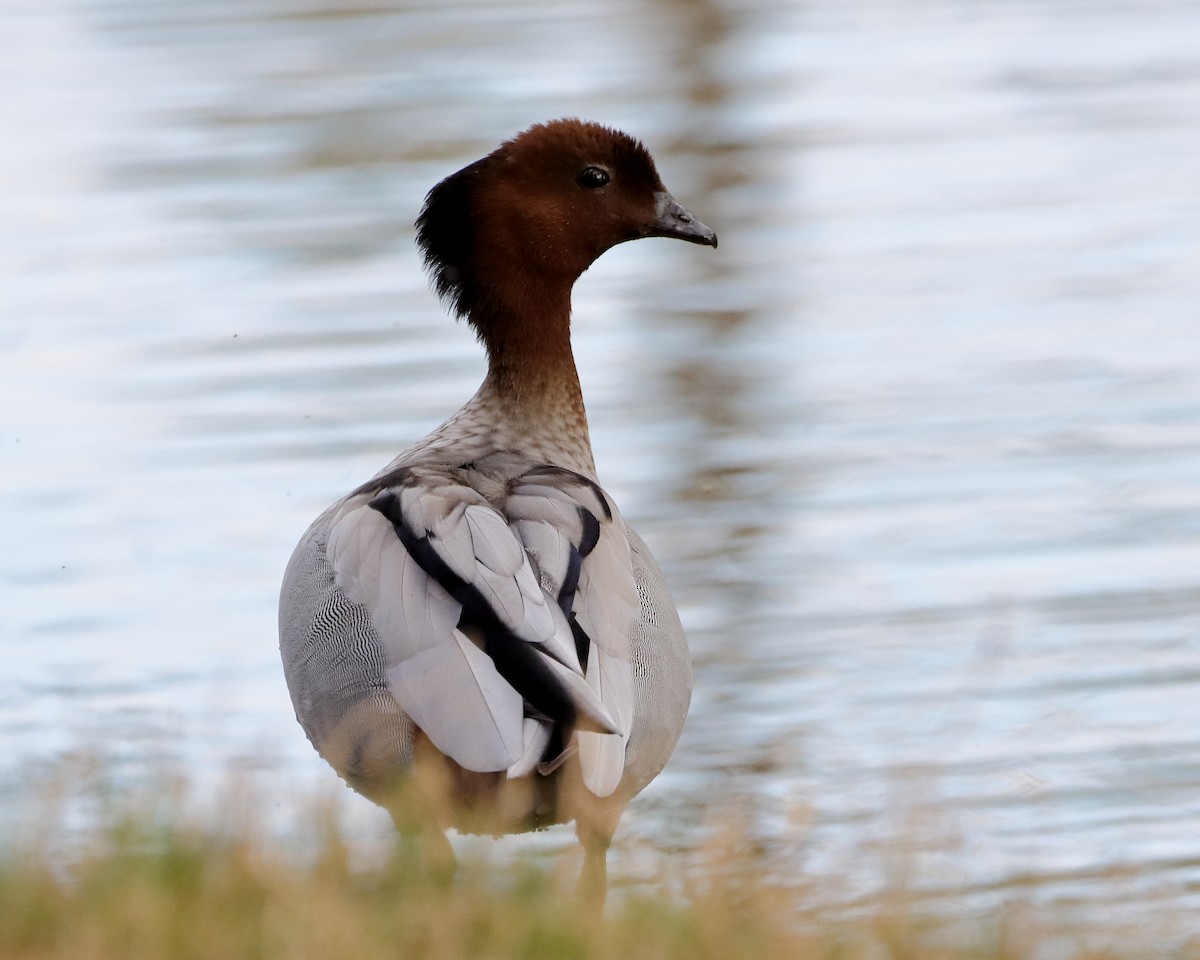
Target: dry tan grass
(148,882)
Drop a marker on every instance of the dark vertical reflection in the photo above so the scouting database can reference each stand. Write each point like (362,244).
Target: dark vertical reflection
(733,494)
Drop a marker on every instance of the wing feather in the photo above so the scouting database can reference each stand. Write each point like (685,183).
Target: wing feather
(374,570)
(453,692)
(537,732)
(578,543)
(493,543)
(428,556)
(602,757)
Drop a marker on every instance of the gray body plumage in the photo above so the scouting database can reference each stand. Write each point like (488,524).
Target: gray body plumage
(336,661)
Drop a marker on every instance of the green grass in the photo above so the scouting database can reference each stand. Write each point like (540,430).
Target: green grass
(151,881)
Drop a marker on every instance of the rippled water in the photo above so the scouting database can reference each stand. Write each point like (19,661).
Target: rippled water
(919,446)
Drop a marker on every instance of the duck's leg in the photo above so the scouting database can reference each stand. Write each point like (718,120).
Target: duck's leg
(437,858)
(423,841)
(425,849)
(593,878)
(420,804)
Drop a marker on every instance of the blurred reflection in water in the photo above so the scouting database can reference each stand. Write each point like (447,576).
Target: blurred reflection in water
(919,447)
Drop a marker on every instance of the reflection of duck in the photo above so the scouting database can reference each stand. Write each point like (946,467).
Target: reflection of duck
(478,614)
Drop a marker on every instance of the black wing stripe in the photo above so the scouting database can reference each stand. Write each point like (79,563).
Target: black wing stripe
(583,643)
(566,593)
(591,532)
(516,660)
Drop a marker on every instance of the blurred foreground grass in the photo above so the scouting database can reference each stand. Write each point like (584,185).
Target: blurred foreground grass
(147,878)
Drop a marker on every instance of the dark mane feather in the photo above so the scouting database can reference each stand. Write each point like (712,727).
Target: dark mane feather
(446,236)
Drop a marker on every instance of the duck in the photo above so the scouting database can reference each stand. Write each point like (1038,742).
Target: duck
(475,633)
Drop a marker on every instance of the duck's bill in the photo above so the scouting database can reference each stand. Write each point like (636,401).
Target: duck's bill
(672,220)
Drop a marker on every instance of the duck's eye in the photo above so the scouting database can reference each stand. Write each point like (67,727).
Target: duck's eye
(592,177)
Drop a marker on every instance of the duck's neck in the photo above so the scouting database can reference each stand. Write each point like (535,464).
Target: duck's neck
(532,385)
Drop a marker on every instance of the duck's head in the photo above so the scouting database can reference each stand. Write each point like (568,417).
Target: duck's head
(525,221)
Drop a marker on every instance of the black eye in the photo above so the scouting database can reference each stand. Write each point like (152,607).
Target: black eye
(592,177)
